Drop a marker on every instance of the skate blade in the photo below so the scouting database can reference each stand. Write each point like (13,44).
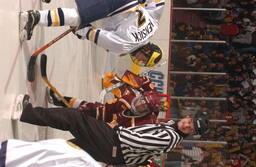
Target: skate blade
(23,35)
(48,96)
(46,1)
(23,16)
(17,107)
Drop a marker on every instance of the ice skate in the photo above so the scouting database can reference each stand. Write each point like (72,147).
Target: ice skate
(46,1)
(49,95)
(28,21)
(20,102)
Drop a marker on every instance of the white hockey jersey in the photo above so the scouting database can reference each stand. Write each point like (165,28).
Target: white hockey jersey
(46,153)
(128,30)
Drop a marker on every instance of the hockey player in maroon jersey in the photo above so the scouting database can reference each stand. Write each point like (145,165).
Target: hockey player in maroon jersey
(135,103)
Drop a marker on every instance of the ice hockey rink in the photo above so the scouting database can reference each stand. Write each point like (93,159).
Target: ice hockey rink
(75,67)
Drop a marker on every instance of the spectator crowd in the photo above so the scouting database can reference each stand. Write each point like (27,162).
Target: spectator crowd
(237,59)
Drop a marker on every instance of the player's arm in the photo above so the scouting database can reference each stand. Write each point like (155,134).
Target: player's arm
(110,79)
(105,39)
(147,84)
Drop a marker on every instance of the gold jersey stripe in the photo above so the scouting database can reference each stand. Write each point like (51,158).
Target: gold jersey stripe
(157,1)
(74,145)
(92,34)
(55,17)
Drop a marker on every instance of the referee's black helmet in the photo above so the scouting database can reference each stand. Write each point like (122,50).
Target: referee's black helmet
(201,125)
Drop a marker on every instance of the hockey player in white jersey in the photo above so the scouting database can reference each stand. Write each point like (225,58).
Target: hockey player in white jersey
(128,30)
(45,153)
(130,33)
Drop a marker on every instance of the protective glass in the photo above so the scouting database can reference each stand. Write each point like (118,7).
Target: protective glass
(139,58)
(139,106)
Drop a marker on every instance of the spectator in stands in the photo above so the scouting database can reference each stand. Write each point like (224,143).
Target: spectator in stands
(238,59)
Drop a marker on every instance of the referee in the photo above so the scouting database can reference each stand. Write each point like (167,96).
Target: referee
(118,145)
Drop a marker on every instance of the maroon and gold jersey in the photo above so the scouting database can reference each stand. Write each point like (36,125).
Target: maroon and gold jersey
(119,107)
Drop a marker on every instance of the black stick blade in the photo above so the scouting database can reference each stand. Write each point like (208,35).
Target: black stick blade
(43,63)
(31,68)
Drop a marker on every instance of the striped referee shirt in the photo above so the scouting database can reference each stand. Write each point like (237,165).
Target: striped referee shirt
(141,143)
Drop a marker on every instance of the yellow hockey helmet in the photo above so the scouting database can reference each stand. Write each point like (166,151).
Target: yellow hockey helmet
(148,55)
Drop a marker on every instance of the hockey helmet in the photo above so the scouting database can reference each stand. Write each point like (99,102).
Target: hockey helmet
(148,102)
(201,125)
(148,55)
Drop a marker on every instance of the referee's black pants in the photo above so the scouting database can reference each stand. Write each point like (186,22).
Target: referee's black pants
(94,136)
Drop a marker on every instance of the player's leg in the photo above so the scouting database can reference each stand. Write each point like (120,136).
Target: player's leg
(67,119)
(87,12)
(55,17)
(60,118)
(92,10)
(87,108)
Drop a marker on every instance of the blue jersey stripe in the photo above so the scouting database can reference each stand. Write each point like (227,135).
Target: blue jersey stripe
(123,9)
(61,16)
(160,4)
(3,153)
(49,18)
(96,36)
(88,34)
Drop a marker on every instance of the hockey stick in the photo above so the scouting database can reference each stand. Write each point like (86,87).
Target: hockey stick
(32,61)
(118,85)
(43,64)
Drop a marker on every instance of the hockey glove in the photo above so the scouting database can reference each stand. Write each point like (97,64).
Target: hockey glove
(82,33)
(57,101)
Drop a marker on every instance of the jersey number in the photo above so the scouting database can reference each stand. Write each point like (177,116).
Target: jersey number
(141,18)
